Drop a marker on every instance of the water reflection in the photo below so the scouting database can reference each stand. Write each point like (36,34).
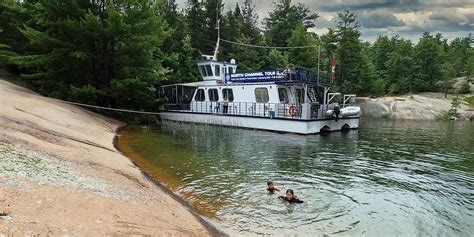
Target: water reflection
(388,178)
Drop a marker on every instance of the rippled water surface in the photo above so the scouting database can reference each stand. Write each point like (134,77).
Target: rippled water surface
(387,178)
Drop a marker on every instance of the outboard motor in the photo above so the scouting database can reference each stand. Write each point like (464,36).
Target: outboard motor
(337,111)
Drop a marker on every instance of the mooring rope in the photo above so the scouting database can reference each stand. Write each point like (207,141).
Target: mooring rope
(107,108)
(270,47)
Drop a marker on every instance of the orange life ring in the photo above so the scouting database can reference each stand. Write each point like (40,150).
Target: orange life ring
(293,111)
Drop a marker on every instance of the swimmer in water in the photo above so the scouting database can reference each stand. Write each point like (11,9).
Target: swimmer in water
(290,197)
(271,187)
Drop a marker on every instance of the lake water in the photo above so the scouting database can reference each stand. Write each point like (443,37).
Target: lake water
(388,178)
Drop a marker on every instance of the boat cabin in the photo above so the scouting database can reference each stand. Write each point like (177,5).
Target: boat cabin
(287,93)
(215,70)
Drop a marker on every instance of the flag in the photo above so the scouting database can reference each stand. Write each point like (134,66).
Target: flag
(333,68)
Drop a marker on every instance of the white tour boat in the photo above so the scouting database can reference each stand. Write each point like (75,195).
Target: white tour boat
(293,101)
(278,100)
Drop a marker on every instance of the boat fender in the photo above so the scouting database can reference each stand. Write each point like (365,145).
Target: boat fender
(337,111)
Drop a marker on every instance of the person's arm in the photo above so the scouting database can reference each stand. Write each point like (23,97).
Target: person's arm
(297,200)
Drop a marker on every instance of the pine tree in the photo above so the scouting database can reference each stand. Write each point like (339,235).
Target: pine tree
(457,55)
(354,70)
(429,56)
(399,67)
(198,29)
(179,53)
(302,57)
(105,53)
(285,18)
(276,59)
(241,30)
(328,52)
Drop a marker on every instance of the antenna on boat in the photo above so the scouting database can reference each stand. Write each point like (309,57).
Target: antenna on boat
(216,50)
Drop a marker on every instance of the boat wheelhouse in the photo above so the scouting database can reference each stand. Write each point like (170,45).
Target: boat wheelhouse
(287,100)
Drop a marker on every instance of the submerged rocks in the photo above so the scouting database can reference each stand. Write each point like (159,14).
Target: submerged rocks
(25,164)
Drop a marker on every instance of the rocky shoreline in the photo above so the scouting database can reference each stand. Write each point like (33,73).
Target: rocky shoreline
(60,174)
(423,106)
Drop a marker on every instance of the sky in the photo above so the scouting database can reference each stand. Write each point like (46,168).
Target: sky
(407,18)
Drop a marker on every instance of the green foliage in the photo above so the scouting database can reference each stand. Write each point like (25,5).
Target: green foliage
(284,18)
(465,87)
(443,115)
(116,53)
(470,64)
(249,58)
(355,72)
(455,105)
(276,59)
(470,100)
(5,54)
(378,87)
(303,57)
(84,94)
(428,55)
(79,46)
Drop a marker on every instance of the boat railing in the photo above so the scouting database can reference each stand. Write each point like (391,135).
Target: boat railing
(252,109)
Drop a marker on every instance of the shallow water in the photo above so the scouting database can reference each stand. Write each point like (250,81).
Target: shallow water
(387,178)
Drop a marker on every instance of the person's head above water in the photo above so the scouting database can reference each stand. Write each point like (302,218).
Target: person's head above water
(272,187)
(270,184)
(290,194)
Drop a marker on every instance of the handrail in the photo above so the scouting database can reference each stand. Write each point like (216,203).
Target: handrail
(271,110)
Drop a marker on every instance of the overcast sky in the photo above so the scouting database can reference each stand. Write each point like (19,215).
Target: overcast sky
(407,18)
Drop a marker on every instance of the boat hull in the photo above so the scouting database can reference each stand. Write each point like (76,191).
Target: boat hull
(265,123)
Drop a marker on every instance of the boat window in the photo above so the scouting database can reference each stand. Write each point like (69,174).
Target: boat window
(203,71)
(209,70)
(229,94)
(283,94)
(312,94)
(299,96)
(200,95)
(218,71)
(213,95)
(261,95)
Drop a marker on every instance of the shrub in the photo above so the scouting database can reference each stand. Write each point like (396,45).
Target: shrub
(465,88)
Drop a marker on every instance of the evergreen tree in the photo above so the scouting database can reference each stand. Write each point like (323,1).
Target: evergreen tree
(458,55)
(328,52)
(242,31)
(400,67)
(214,8)
(198,29)
(429,56)
(107,52)
(302,57)
(250,21)
(276,59)
(470,64)
(179,53)
(284,19)
(248,58)
(381,49)
(249,14)
(354,70)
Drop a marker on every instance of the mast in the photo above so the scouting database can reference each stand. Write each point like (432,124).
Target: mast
(216,50)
